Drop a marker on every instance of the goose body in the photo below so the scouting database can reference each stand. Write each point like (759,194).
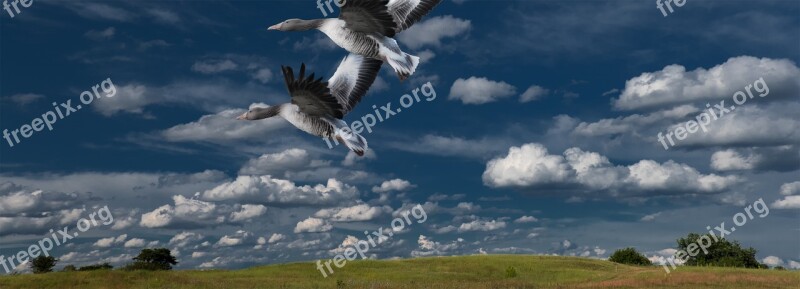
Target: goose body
(318,107)
(367,28)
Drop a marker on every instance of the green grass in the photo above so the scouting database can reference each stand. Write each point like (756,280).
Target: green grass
(464,272)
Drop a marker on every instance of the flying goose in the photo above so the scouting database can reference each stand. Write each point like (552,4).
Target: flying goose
(318,107)
(367,27)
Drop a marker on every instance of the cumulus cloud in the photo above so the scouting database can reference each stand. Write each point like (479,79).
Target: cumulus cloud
(269,190)
(788,202)
(772,261)
(675,85)
(16,199)
(526,219)
(531,166)
(789,189)
(360,212)
(428,247)
(135,243)
(185,211)
(312,225)
(236,239)
(432,31)
(786,158)
(393,185)
(276,238)
(247,212)
(107,242)
(277,163)
(185,238)
(480,90)
(480,225)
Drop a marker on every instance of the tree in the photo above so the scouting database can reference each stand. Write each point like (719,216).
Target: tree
(629,256)
(720,253)
(43,264)
(154,260)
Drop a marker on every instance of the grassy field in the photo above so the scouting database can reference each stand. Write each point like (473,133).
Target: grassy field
(463,272)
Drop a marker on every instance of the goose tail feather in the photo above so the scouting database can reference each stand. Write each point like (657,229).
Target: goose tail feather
(343,134)
(403,64)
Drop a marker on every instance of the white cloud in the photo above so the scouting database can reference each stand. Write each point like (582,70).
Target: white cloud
(729,160)
(276,238)
(107,242)
(233,240)
(788,202)
(789,189)
(480,90)
(526,219)
(534,92)
(432,31)
(269,190)
(772,261)
(674,85)
(277,163)
(651,217)
(135,243)
(634,122)
(479,225)
(185,210)
(312,225)
(428,247)
(207,94)
(531,166)
(222,127)
(360,212)
(393,185)
(185,238)
(248,212)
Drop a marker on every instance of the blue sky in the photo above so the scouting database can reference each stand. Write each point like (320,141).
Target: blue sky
(541,140)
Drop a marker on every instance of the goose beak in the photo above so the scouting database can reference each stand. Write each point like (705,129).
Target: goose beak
(275,27)
(242,117)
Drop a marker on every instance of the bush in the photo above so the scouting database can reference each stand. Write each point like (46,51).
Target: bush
(43,264)
(103,266)
(143,266)
(629,256)
(511,272)
(69,268)
(720,253)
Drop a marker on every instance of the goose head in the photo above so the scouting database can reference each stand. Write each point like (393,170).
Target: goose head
(257,113)
(295,25)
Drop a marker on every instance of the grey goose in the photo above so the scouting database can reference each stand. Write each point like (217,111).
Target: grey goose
(318,107)
(367,27)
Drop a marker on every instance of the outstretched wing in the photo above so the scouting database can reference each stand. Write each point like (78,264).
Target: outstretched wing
(311,96)
(352,80)
(407,12)
(368,16)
